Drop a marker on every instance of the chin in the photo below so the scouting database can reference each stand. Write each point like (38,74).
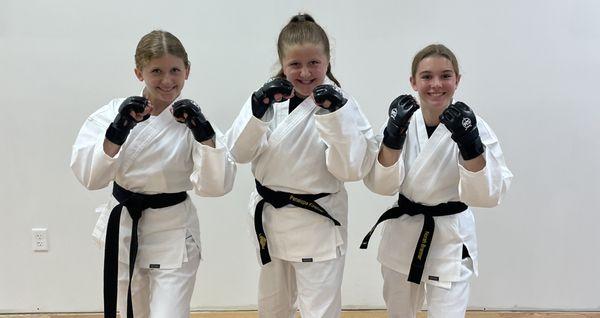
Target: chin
(440,104)
(303,92)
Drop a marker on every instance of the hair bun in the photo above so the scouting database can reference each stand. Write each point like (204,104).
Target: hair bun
(302,17)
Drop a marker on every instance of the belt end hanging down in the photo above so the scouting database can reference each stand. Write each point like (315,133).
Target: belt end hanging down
(365,241)
(415,275)
(265,258)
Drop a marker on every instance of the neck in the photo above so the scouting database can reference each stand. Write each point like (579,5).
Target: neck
(297,94)
(158,108)
(430,117)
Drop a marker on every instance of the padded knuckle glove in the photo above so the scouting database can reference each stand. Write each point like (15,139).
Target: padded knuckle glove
(201,128)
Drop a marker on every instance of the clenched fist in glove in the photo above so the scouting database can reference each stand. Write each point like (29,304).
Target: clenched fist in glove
(400,111)
(326,92)
(187,111)
(133,110)
(461,122)
(264,97)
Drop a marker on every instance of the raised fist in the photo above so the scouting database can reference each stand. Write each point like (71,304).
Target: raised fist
(188,112)
(119,129)
(264,97)
(400,111)
(462,123)
(326,92)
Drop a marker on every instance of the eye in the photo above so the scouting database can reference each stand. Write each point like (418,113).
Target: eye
(425,77)
(175,70)
(447,75)
(155,71)
(315,62)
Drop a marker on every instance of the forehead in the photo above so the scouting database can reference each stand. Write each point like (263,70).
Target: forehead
(435,63)
(165,61)
(304,51)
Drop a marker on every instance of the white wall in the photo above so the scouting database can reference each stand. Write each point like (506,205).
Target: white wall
(529,67)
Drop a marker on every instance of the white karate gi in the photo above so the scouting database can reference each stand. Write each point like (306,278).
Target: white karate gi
(430,172)
(160,155)
(308,151)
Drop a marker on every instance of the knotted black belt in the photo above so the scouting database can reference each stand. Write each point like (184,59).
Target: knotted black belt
(135,203)
(406,206)
(279,199)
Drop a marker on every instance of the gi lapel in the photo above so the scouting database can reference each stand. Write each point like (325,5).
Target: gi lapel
(426,147)
(148,133)
(290,121)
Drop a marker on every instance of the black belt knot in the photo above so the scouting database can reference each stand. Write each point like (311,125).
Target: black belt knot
(279,199)
(136,203)
(408,207)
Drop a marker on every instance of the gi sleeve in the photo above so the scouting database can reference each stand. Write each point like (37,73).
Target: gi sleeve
(385,180)
(247,137)
(90,164)
(351,144)
(487,187)
(214,169)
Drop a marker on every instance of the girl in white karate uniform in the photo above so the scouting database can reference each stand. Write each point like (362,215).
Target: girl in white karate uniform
(440,159)
(153,147)
(305,137)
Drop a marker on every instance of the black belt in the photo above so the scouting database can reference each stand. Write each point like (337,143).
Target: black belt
(406,206)
(135,203)
(279,199)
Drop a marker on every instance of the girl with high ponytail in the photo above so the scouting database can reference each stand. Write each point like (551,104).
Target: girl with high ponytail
(305,137)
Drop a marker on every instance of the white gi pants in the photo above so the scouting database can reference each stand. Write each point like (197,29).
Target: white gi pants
(160,293)
(404,299)
(315,287)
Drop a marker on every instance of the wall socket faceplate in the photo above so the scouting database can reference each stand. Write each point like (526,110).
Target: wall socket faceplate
(39,239)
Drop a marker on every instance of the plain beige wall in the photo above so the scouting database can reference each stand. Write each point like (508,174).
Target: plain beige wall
(530,68)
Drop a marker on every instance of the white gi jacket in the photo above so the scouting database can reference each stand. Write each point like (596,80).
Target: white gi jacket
(430,172)
(306,152)
(160,155)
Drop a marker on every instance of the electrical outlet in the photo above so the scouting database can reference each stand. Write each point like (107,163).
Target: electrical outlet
(39,239)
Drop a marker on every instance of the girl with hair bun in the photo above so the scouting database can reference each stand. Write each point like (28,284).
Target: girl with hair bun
(305,137)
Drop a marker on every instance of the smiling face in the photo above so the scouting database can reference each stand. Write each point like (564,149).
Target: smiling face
(164,78)
(305,66)
(435,80)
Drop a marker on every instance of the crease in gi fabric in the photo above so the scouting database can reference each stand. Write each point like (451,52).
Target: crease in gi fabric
(279,199)
(136,203)
(408,207)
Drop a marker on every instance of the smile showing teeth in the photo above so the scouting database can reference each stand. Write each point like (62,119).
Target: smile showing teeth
(436,94)
(166,89)
(306,82)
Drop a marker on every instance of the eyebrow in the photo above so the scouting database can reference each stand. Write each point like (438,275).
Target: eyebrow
(430,72)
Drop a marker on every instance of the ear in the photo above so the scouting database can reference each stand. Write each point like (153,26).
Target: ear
(413,83)
(457,79)
(187,72)
(138,74)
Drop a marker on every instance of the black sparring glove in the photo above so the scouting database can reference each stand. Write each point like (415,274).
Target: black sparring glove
(195,121)
(119,129)
(461,122)
(274,86)
(400,111)
(331,93)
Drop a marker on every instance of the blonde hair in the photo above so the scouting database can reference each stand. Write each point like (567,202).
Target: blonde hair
(302,29)
(434,50)
(155,45)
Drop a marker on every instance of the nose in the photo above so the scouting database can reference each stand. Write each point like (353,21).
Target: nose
(436,82)
(167,79)
(304,72)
